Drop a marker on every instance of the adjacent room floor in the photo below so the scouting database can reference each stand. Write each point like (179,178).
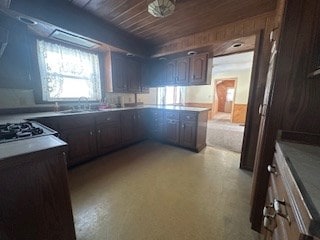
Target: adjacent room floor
(222,133)
(156,191)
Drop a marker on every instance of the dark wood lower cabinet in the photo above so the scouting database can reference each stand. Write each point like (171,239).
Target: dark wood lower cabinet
(171,131)
(35,200)
(108,132)
(128,131)
(91,134)
(108,137)
(82,144)
(188,131)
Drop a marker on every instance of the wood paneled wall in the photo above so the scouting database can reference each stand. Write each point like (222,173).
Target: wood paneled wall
(239,113)
(293,101)
(247,27)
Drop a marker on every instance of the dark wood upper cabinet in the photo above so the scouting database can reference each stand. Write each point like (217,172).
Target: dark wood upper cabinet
(170,73)
(126,75)
(155,73)
(182,71)
(198,70)
(133,75)
(119,80)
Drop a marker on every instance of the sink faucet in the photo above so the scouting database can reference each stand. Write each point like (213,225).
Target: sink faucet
(83,106)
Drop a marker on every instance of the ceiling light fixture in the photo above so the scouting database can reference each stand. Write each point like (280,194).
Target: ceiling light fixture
(161,8)
(235,45)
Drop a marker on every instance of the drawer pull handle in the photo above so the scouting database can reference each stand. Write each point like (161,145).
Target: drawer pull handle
(279,211)
(267,223)
(108,119)
(272,169)
(188,117)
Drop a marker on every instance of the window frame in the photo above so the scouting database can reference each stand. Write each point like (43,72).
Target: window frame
(39,90)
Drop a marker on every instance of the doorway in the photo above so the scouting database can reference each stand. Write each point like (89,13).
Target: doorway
(230,87)
(224,98)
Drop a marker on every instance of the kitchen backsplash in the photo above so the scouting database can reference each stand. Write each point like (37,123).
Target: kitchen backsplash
(13,98)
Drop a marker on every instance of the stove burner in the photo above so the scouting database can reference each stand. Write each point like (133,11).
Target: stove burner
(11,131)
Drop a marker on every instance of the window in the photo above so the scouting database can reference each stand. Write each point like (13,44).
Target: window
(230,94)
(68,73)
(171,95)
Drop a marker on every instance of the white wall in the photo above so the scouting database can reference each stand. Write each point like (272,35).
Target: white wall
(149,98)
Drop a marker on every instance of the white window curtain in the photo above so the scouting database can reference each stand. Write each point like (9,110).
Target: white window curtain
(172,95)
(68,73)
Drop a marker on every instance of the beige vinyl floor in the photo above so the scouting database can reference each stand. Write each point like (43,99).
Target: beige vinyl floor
(153,191)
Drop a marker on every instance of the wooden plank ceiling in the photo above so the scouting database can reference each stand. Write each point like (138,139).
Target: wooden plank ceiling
(190,16)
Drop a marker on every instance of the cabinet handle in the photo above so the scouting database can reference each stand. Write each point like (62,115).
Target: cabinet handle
(99,131)
(277,207)
(91,133)
(182,126)
(109,118)
(267,222)
(188,117)
(269,217)
(272,169)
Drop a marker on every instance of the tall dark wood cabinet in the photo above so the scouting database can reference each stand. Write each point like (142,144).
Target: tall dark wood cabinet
(170,73)
(133,75)
(291,98)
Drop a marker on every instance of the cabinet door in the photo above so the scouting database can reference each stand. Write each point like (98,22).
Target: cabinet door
(141,125)
(133,75)
(156,73)
(128,126)
(188,131)
(35,200)
(182,71)
(108,137)
(170,73)
(171,131)
(119,68)
(198,69)
(81,144)
(144,78)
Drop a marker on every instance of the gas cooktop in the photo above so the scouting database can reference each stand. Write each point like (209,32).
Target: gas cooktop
(18,131)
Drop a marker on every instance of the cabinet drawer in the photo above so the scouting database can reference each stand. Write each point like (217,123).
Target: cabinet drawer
(188,116)
(110,117)
(155,113)
(286,223)
(172,115)
(75,121)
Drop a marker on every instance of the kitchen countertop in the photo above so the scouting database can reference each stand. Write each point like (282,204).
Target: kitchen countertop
(14,118)
(12,149)
(304,163)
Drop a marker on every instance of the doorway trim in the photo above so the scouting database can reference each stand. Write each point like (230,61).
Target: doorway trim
(215,101)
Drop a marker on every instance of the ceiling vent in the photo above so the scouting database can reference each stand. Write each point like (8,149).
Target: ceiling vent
(73,39)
